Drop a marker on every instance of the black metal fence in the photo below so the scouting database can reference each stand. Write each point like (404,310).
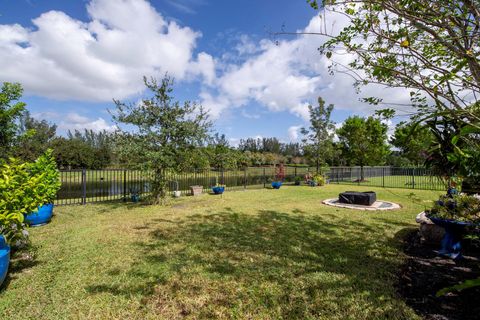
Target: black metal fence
(387,177)
(88,186)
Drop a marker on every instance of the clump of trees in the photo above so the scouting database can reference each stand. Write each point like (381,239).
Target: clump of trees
(359,141)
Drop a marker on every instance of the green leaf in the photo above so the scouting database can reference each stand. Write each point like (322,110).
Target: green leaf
(459,287)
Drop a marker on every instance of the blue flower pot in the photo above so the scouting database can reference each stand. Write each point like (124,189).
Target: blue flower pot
(218,190)
(4,259)
(452,240)
(41,217)
(276,184)
(135,198)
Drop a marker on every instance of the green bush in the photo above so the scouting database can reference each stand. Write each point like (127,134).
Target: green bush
(46,166)
(459,207)
(20,193)
(319,180)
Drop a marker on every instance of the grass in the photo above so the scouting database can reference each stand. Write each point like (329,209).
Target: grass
(258,254)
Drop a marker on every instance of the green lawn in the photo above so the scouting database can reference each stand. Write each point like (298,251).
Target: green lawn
(257,254)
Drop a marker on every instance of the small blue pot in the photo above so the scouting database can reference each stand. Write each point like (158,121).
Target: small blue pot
(135,198)
(218,190)
(276,184)
(41,217)
(4,259)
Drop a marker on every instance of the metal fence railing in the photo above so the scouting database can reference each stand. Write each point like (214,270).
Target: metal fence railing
(387,177)
(88,186)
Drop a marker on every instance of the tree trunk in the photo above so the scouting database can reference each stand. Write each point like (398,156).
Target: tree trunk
(362,174)
(159,187)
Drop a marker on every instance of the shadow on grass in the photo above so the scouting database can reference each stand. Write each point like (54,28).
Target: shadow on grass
(20,261)
(282,264)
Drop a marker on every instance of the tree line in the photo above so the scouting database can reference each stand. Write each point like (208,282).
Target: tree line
(359,141)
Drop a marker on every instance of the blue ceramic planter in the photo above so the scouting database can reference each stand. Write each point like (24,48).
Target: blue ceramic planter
(452,240)
(4,259)
(276,184)
(41,217)
(218,190)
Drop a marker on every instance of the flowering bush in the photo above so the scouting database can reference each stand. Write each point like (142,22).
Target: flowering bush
(458,207)
(280,172)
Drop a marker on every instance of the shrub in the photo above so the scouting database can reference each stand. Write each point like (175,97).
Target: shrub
(20,193)
(319,180)
(459,207)
(46,166)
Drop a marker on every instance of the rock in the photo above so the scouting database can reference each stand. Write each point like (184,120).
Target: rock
(429,231)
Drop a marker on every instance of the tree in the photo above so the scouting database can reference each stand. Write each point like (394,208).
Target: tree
(221,154)
(430,47)
(74,154)
(363,142)
(36,137)
(165,133)
(10,111)
(319,137)
(101,143)
(413,140)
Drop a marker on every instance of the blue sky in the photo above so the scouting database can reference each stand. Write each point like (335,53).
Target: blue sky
(74,57)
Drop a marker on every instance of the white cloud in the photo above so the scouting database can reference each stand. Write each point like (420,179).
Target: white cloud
(103,58)
(75,121)
(293,133)
(290,74)
(106,57)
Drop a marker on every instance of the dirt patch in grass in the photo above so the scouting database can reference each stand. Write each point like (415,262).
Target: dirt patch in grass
(425,272)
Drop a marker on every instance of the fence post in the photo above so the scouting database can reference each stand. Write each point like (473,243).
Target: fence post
(383,177)
(295,172)
(245,178)
(264,178)
(84,186)
(124,185)
(413,178)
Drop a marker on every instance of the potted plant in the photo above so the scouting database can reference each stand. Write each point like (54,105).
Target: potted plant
(134,195)
(317,180)
(279,176)
(44,167)
(4,258)
(218,188)
(20,194)
(298,180)
(176,193)
(456,213)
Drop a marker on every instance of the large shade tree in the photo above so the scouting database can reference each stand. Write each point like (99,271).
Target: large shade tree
(161,133)
(413,140)
(363,142)
(430,47)
(35,137)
